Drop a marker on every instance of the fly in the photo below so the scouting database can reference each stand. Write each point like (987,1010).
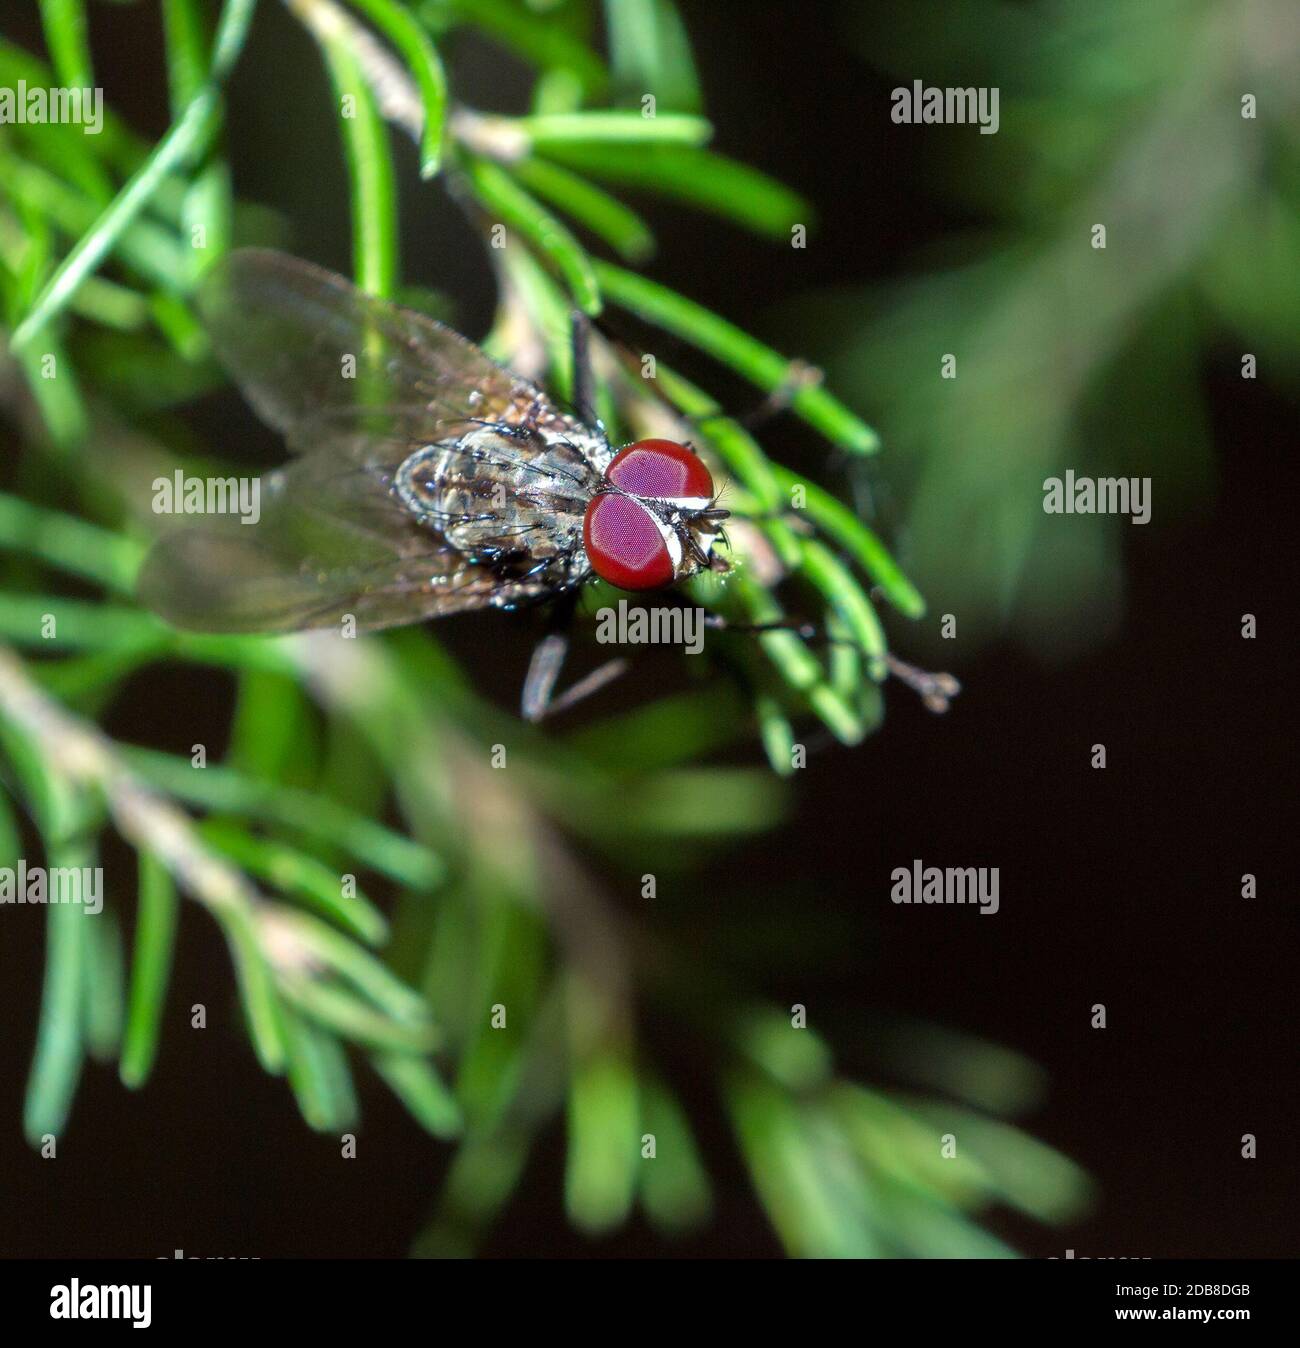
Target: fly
(426,479)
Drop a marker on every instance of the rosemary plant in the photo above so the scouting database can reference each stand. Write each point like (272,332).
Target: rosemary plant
(390,898)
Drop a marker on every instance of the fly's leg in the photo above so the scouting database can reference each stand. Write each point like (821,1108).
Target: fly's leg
(587,685)
(799,375)
(539,700)
(543,673)
(807,631)
(936,691)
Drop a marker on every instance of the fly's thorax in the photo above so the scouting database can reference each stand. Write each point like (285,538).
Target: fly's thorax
(499,493)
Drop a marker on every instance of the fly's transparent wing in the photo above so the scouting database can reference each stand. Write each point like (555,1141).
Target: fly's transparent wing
(329,540)
(317,358)
(359,388)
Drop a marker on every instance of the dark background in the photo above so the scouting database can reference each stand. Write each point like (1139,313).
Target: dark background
(1119,886)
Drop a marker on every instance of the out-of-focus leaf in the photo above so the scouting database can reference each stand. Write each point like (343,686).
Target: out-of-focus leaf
(105,994)
(371,178)
(295,873)
(797,1058)
(743,353)
(520,211)
(414,1081)
(421,57)
(604,1142)
(601,213)
(155,938)
(815,1200)
(319,1075)
(675,1187)
(60,1033)
(698,177)
(651,54)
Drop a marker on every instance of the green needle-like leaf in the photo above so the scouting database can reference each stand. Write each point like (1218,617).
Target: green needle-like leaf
(746,355)
(604,215)
(295,873)
(500,193)
(843,593)
(796,664)
(604,1142)
(840,524)
(548,314)
(207,218)
(777,734)
(64,22)
(674,1184)
(319,1075)
(155,938)
(60,1041)
(339,1011)
(187,52)
(606,127)
(9,835)
(343,956)
(105,986)
(143,245)
(797,1058)
(221,788)
(370,170)
(53,383)
(743,454)
(651,54)
(413,1080)
(189,134)
(257,991)
(816,1214)
(538,38)
(422,59)
(701,178)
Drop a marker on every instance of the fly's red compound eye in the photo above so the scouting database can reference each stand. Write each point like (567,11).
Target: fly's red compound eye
(662,469)
(625,543)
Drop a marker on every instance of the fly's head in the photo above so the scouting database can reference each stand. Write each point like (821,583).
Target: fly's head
(653,522)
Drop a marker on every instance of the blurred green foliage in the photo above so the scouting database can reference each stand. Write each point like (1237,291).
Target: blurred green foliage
(514,980)
(1069,356)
